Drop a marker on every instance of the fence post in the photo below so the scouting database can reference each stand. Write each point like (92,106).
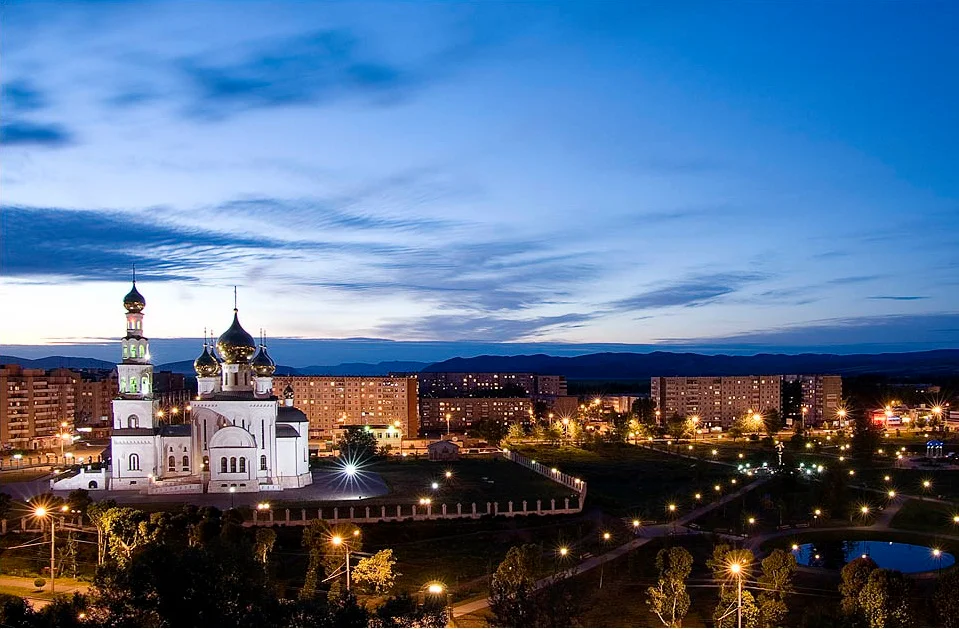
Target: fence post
(336,514)
(566,503)
(459,510)
(444,509)
(524,506)
(539,506)
(474,509)
(509,506)
(552,504)
(287,516)
(303,515)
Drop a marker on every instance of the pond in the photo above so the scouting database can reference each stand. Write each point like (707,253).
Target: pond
(834,554)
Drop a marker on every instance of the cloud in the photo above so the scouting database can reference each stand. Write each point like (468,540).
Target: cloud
(480,328)
(899,297)
(21,96)
(923,331)
(319,67)
(696,291)
(18,133)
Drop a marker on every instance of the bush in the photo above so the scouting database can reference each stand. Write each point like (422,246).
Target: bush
(39,582)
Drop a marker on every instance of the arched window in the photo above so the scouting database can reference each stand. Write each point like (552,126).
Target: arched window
(223,465)
(123,382)
(171,463)
(126,352)
(146,384)
(186,463)
(133,385)
(232,465)
(263,462)
(133,421)
(134,464)
(242,465)
(142,351)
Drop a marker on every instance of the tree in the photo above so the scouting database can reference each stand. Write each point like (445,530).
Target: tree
(15,612)
(79,500)
(316,540)
(680,427)
(357,441)
(265,539)
(723,557)
(127,529)
(558,604)
(886,599)
(946,599)
(515,434)
(403,611)
(669,599)
(6,501)
(866,437)
(772,421)
(376,573)
(778,570)
(726,613)
(512,587)
(855,575)
(96,513)
(645,411)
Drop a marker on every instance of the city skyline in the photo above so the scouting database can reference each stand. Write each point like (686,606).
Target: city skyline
(731,179)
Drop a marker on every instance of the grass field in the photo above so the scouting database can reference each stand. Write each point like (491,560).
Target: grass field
(632,481)
(929,517)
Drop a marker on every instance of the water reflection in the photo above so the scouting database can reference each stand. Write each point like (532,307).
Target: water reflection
(833,555)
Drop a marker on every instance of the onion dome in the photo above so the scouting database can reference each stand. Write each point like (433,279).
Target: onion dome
(134,301)
(263,365)
(288,391)
(236,345)
(206,365)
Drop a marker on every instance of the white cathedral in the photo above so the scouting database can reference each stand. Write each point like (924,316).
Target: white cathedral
(240,437)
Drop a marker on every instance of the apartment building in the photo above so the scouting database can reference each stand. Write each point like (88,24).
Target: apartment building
(94,402)
(456,384)
(717,401)
(821,396)
(335,402)
(466,413)
(33,405)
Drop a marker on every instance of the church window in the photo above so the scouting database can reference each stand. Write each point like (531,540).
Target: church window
(186,463)
(142,351)
(263,434)
(223,465)
(126,352)
(263,462)
(242,464)
(123,383)
(232,465)
(133,421)
(134,463)
(146,384)
(204,435)
(171,463)
(133,385)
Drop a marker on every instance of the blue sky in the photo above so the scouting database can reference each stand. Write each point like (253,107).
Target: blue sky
(737,176)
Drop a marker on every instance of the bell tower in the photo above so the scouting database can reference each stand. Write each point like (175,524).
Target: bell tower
(135,373)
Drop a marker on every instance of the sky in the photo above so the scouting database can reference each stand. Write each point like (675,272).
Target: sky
(759,176)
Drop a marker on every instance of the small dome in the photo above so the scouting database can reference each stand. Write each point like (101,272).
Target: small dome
(236,345)
(134,301)
(263,365)
(288,391)
(206,365)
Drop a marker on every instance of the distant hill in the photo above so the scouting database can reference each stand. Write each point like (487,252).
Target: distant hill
(54,362)
(344,369)
(635,366)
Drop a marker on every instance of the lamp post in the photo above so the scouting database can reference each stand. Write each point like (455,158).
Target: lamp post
(737,570)
(41,513)
(437,589)
(337,540)
(232,495)
(447,425)
(938,555)
(63,437)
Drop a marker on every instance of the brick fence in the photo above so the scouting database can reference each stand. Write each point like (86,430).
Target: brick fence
(576,484)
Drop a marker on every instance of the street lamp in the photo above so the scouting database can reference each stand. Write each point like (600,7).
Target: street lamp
(337,540)
(447,425)
(938,555)
(41,513)
(232,495)
(736,570)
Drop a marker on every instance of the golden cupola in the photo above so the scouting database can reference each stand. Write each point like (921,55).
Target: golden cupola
(236,346)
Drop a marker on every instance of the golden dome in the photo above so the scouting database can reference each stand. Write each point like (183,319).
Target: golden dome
(134,301)
(263,365)
(236,345)
(206,365)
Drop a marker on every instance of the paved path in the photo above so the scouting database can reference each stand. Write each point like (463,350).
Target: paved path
(650,533)
(41,599)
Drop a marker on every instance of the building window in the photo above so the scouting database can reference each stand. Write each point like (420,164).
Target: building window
(233,465)
(171,464)
(133,421)
(263,462)
(242,465)
(126,353)
(134,463)
(223,465)
(186,463)
(206,463)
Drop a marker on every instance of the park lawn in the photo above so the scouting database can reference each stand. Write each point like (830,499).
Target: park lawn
(943,482)
(926,516)
(631,481)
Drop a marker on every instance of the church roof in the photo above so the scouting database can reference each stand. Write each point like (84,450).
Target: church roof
(176,430)
(285,431)
(132,432)
(291,415)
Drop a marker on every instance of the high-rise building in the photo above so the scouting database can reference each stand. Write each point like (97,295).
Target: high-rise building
(335,402)
(457,384)
(716,400)
(466,413)
(34,404)
(821,396)
(94,399)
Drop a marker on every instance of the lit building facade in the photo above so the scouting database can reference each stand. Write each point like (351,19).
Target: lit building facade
(455,384)
(332,403)
(34,403)
(717,401)
(466,413)
(821,396)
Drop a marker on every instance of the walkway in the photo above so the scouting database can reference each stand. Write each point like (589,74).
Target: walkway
(23,587)
(651,533)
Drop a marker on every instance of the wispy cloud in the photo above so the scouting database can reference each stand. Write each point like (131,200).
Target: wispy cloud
(695,291)
(19,100)
(899,297)
(21,132)
(482,328)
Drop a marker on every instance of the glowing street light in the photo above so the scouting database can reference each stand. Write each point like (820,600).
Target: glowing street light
(434,485)
(736,570)
(449,474)
(436,588)
(892,494)
(40,513)
(636,524)
(606,536)
(563,551)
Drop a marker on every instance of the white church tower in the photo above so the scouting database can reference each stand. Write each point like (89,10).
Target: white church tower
(134,456)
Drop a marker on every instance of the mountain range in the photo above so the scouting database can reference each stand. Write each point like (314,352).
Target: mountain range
(608,365)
